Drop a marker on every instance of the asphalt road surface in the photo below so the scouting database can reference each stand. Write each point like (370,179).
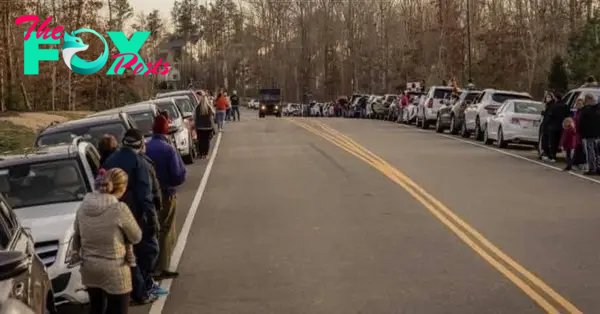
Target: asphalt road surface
(340,216)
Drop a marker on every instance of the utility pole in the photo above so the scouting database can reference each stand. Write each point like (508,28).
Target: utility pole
(469,39)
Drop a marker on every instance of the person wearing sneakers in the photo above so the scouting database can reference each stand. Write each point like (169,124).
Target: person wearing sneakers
(171,173)
(140,201)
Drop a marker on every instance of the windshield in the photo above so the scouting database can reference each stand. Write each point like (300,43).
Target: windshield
(441,93)
(91,134)
(529,107)
(144,122)
(184,105)
(57,181)
(502,97)
(471,96)
(170,109)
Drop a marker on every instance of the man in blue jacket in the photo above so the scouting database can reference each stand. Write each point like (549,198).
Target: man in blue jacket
(140,200)
(171,172)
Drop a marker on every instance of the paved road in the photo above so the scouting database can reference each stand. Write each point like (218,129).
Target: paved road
(298,217)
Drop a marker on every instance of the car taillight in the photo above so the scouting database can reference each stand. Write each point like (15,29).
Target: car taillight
(430,103)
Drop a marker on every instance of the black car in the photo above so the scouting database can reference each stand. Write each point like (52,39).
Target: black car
(142,114)
(22,272)
(190,94)
(92,128)
(270,102)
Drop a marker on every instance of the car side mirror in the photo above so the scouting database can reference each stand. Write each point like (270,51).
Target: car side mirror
(13,264)
(492,112)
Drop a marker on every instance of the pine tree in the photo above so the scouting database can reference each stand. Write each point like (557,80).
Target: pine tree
(558,80)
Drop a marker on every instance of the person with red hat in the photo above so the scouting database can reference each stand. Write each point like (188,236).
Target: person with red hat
(171,173)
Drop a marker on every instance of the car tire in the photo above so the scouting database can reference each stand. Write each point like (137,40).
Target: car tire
(486,137)
(501,142)
(189,158)
(453,126)
(438,125)
(478,132)
(463,131)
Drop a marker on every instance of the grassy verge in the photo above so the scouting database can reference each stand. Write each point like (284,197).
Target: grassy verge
(71,115)
(14,137)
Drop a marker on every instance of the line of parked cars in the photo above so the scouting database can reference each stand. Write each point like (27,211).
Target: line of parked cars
(492,116)
(42,188)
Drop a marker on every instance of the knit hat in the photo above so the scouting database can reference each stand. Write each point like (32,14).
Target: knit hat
(133,139)
(161,125)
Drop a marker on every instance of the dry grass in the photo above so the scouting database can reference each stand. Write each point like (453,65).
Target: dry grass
(18,130)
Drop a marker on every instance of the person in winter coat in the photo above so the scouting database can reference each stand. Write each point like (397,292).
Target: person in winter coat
(104,227)
(579,159)
(204,122)
(568,142)
(171,172)
(235,105)
(106,146)
(556,112)
(589,130)
(140,200)
(221,104)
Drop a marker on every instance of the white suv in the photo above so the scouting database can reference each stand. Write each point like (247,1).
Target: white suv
(45,188)
(434,99)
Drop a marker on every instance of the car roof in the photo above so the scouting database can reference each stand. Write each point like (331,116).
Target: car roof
(73,124)
(492,90)
(175,93)
(41,154)
(130,109)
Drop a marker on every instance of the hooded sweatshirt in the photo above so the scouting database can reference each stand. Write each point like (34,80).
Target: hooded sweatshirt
(104,226)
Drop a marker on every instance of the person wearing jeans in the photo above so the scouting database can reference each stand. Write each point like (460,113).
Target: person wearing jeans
(221,104)
(235,106)
(588,129)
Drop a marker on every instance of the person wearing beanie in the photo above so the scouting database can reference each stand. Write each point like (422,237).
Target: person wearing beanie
(171,172)
(140,200)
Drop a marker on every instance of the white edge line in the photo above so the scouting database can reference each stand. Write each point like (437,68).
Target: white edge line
(159,304)
(575,174)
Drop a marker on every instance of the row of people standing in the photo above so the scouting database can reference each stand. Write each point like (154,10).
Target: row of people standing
(125,231)
(577,135)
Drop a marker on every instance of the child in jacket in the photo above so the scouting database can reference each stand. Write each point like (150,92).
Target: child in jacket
(568,142)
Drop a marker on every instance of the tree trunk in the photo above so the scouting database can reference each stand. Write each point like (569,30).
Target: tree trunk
(10,75)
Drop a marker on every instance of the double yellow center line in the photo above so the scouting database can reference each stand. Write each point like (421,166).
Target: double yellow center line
(546,297)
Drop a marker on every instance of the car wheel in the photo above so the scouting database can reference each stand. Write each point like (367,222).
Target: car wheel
(189,158)
(501,142)
(486,137)
(478,133)
(438,125)
(453,126)
(463,131)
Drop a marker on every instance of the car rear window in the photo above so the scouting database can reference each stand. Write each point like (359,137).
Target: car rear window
(528,107)
(472,96)
(91,134)
(144,122)
(502,97)
(441,93)
(169,108)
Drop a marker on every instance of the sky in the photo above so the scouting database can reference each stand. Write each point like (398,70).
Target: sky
(164,6)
